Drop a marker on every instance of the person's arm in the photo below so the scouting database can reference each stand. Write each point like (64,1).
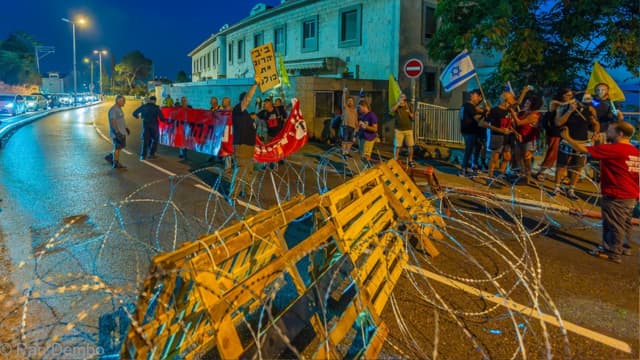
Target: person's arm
(137,112)
(562,119)
(487,124)
(523,94)
(161,115)
(247,98)
(574,144)
(345,94)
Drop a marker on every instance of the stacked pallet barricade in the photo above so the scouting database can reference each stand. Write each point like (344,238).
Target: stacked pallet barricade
(307,279)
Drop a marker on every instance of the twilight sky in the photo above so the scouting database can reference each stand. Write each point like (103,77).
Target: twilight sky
(164,31)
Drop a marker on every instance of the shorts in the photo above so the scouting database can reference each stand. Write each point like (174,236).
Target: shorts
(403,137)
(347,133)
(366,147)
(528,146)
(499,143)
(569,157)
(119,141)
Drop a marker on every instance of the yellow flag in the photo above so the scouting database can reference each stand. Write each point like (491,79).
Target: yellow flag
(394,92)
(600,75)
(283,70)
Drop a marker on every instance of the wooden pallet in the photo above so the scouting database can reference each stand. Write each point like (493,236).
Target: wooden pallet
(255,288)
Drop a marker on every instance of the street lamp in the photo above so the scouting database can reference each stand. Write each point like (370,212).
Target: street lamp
(100,53)
(90,62)
(80,21)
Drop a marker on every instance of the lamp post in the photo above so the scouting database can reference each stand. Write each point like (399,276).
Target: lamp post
(73,28)
(90,62)
(100,52)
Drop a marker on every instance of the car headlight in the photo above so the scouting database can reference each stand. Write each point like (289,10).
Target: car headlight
(9,105)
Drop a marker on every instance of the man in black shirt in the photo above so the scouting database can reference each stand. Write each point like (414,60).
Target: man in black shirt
(244,143)
(272,118)
(150,113)
(500,123)
(470,117)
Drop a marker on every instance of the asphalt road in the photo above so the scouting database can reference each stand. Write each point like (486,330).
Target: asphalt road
(76,238)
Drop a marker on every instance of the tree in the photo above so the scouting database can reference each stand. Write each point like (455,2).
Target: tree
(17,60)
(182,77)
(550,43)
(133,66)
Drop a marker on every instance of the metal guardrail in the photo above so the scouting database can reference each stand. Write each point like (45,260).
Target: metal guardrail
(437,125)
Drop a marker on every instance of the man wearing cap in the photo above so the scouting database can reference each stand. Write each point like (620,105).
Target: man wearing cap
(150,113)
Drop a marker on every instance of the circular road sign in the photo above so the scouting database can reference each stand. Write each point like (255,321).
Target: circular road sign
(413,68)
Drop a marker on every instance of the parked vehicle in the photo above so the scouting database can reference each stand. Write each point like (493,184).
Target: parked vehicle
(36,102)
(12,104)
(65,99)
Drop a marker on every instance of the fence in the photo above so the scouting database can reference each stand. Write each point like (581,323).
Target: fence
(308,279)
(437,125)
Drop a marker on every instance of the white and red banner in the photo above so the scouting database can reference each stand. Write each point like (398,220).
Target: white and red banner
(212,133)
(291,138)
(197,129)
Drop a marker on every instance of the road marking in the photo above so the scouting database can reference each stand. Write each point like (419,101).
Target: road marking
(245,204)
(525,310)
(159,168)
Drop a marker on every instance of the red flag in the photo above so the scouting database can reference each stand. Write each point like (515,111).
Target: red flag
(291,138)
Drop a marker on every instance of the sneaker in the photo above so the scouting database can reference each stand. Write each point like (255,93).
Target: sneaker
(141,158)
(462,173)
(412,164)
(572,195)
(109,158)
(118,165)
(152,157)
(626,250)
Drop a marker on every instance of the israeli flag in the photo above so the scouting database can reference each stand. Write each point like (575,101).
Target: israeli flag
(459,70)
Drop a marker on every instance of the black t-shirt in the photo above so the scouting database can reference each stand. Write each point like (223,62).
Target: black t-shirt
(604,111)
(578,125)
(273,120)
(244,133)
(468,123)
(499,118)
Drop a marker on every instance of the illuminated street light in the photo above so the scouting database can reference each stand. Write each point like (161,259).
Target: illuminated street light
(89,61)
(80,21)
(100,53)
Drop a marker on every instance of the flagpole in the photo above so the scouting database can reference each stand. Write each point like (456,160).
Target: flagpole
(481,91)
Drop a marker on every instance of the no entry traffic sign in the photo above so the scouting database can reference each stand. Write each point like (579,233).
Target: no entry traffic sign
(413,68)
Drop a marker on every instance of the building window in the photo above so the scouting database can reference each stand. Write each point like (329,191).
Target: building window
(310,34)
(429,83)
(230,49)
(280,40)
(429,22)
(240,50)
(216,56)
(258,39)
(350,26)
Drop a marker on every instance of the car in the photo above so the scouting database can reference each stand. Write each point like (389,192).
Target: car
(36,102)
(12,104)
(65,99)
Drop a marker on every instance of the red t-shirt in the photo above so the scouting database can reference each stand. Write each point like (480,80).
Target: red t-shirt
(619,169)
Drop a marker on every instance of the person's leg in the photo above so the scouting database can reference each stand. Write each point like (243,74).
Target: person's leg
(155,137)
(410,143)
(551,156)
(469,143)
(506,160)
(146,139)
(615,221)
(397,143)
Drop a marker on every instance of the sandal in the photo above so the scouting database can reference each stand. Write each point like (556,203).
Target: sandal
(602,253)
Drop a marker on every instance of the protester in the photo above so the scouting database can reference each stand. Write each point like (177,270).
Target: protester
(404,129)
(368,130)
(151,114)
(184,103)
(527,126)
(244,141)
(552,134)
(471,115)
(118,130)
(579,119)
(606,110)
(619,185)
(168,101)
(280,109)
(349,122)
(270,115)
(500,124)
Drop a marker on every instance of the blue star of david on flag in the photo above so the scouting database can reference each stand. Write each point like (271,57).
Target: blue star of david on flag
(459,70)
